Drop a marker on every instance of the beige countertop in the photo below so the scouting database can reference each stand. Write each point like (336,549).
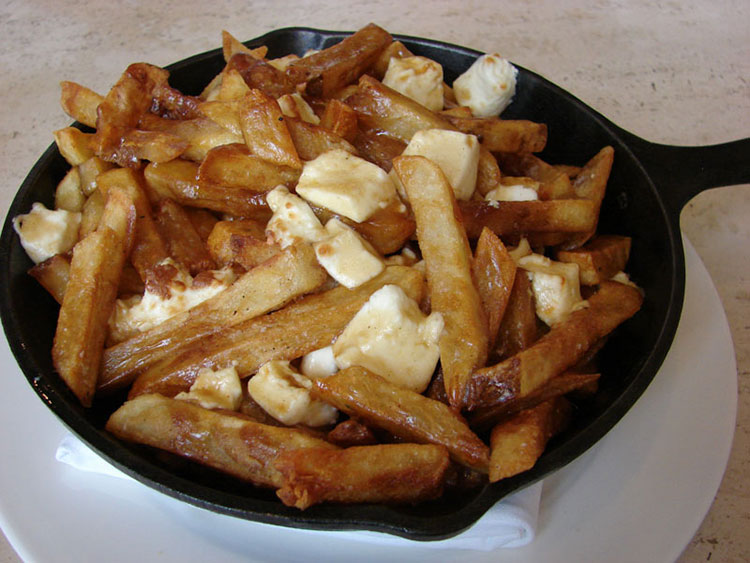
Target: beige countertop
(670,72)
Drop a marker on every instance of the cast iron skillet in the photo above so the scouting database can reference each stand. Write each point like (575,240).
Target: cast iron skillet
(648,187)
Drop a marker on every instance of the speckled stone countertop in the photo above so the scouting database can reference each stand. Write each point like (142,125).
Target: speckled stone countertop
(671,72)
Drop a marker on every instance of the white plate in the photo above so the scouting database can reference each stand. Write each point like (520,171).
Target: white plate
(638,495)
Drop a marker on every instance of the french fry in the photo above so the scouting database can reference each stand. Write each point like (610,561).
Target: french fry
(395,50)
(340,120)
(329,70)
(313,140)
(183,241)
(590,184)
(503,135)
(265,130)
(226,441)
(350,433)
(561,348)
(230,46)
(293,272)
(91,212)
(194,136)
(291,332)
(519,218)
(89,171)
(53,275)
(385,473)
(378,148)
(519,327)
(494,271)
(402,412)
(517,444)
(89,299)
(488,172)
(382,108)
(80,102)
(240,242)
(74,145)
(68,194)
(259,74)
(563,384)
(203,221)
(173,104)
(445,249)
(553,183)
(599,259)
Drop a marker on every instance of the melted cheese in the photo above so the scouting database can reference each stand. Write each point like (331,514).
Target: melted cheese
(391,337)
(318,363)
(418,78)
(346,184)
(293,220)
(556,287)
(487,87)
(285,395)
(44,232)
(346,256)
(219,389)
(516,192)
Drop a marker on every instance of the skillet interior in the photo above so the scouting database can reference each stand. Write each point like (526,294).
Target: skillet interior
(630,359)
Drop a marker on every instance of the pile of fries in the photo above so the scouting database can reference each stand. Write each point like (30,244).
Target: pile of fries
(172,181)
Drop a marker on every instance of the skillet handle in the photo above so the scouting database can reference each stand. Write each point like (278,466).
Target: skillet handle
(680,173)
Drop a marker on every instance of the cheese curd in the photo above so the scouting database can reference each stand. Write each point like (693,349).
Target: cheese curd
(45,232)
(418,78)
(556,287)
(220,389)
(293,220)
(319,363)
(516,192)
(456,153)
(346,256)
(346,184)
(285,395)
(391,337)
(139,313)
(487,87)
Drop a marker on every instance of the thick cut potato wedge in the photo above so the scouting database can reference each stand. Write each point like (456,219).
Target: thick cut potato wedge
(265,131)
(226,441)
(503,135)
(402,412)
(185,244)
(299,328)
(553,183)
(453,293)
(291,273)
(519,327)
(384,473)
(89,298)
(80,102)
(53,274)
(561,348)
(241,242)
(517,443)
(600,258)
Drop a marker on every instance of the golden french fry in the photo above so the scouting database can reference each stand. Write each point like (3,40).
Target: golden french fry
(195,136)
(89,299)
(553,183)
(53,275)
(340,119)
(231,46)
(288,333)
(519,327)
(488,172)
(173,104)
(291,273)
(183,241)
(378,147)
(494,272)
(402,412)
(258,74)
(330,69)
(350,433)
(561,348)
(395,50)
(265,130)
(80,102)
(517,443)
(91,212)
(74,145)
(600,258)
(237,445)
(313,140)
(503,135)
(445,249)
(384,473)
(520,218)
(240,242)
(89,171)
(203,221)
(68,194)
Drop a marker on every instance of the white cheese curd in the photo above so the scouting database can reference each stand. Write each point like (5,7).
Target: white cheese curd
(556,287)
(418,78)
(282,62)
(293,220)
(346,184)
(139,313)
(623,278)
(220,389)
(319,363)
(391,337)
(456,153)
(285,395)
(487,87)
(346,256)
(45,232)
(518,252)
(516,192)
(294,105)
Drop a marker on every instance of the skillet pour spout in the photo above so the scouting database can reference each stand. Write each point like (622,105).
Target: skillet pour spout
(649,185)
